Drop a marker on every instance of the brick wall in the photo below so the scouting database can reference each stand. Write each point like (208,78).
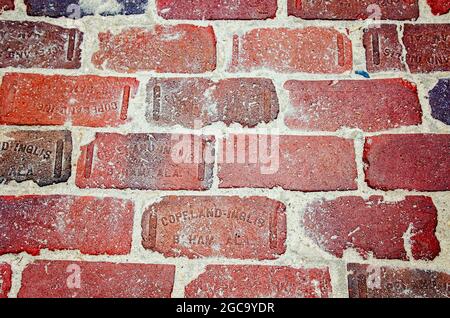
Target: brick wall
(217,148)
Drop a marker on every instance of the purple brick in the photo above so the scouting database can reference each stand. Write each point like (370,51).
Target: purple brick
(440,101)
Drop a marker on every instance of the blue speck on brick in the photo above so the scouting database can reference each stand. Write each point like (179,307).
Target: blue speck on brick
(440,101)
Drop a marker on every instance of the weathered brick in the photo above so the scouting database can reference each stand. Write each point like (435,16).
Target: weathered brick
(255,281)
(198,102)
(369,105)
(290,162)
(33,99)
(414,162)
(5,279)
(68,279)
(233,227)
(440,101)
(217,9)
(427,47)
(292,50)
(384,52)
(39,45)
(78,9)
(6,5)
(439,7)
(41,156)
(147,161)
(164,49)
(374,227)
(367,281)
(90,225)
(354,10)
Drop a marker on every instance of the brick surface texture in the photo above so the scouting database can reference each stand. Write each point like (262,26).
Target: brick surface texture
(224,148)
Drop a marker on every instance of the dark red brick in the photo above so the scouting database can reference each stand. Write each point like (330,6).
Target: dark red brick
(255,281)
(354,10)
(33,99)
(374,227)
(39,45)
(292,50)
(6,5)
(147,161)
(40,156)
(428,47)
(414,162)
(369,105)
(439,7)
(5,279)
(179,48)
(90,225)
(59,279)
(233,227)
(198,102)
(367,281)
(290,162)
(217,9)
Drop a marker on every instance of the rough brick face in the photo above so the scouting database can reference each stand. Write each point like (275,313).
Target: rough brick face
(198,102)
(440,101)
(367,105)
(439,7)
(414,162)
(39,45)
(90,225)
(217,9)
(233,227)
(374,227)
(67,279)
(292,50)
(5,279)
(366,281)
(163,49)
(147,162)
(33,99)
(6,5)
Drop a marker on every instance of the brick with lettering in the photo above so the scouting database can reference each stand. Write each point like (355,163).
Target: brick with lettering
(439,7)
(6,5)
(217,226)
(5,279)
(440,101)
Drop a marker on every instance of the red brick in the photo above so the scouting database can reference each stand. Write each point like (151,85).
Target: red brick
(427,47)
(147,162)
(198,102)
(439,7)
(59,279)
(255,281)
(39,45)
(369,105)
(217,9)
(354,10)
(164,49)
(6,5)
(33,99)
(91,225)
(309,50)
(5,279)
(374,226)
(366,281)
(384,52)
(233,227)
(290,162)
(413,162)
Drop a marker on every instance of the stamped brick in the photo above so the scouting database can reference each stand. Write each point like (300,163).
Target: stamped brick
(39,45)
(374,227)
(413,162)
(5,279)
(68,279)
(91,225)
(384,52)
(428,47)
(164,49)
(78,8)
(94,101)
(255,281)
(292,50)
(218,226)
(439,7)
(6,5)
(147,162)
(199,102)
(367,281)
(440,101)
(354,10)
(290,162)
(369,105)
(217,9)
(40,156)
